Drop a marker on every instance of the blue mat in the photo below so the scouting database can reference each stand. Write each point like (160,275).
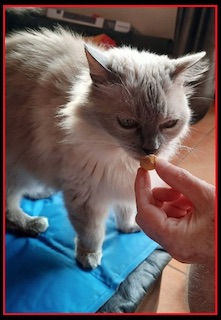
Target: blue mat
(43,276)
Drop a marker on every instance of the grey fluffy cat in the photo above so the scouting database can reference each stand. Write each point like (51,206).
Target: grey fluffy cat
(79,118)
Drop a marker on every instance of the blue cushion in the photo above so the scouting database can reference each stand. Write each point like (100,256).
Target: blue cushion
(43,276)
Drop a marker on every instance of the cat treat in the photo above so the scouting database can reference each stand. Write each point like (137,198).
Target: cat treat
(148,162)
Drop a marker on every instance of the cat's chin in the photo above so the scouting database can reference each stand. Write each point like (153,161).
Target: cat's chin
(137,159)
(140,156)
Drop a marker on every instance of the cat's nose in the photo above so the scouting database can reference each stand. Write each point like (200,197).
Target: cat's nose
(149,151)
(151,145)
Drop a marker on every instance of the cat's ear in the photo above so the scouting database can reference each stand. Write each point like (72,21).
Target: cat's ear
(98,62)
(190,65)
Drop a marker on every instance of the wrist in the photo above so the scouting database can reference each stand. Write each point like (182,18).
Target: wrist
(201,287)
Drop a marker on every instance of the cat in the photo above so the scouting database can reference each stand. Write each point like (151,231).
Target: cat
(79,117)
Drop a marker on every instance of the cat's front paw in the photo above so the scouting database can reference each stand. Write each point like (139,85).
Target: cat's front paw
(38,225)
(88,260)
(28,226)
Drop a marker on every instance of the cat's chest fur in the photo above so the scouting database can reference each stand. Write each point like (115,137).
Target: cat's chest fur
(98,166)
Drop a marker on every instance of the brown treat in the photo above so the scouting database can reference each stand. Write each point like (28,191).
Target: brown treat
(148,162)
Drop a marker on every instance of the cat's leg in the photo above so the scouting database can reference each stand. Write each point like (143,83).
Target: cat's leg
(16,219)
(39,192)
(89,223)
(125,218)
(20,222)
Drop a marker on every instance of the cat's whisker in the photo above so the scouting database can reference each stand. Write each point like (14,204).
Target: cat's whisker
(122,84)
(201,82)
(186,148)
(194,153)
(179,155)
(202,98)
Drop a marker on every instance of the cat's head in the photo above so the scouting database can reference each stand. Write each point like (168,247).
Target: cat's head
(141,98)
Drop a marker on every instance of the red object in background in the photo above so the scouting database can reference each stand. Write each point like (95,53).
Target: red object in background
(104,40)
(95,15)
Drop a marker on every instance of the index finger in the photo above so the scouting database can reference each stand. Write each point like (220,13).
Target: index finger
(181,180)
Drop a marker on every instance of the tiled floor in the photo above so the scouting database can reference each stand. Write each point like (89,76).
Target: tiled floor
(200,160)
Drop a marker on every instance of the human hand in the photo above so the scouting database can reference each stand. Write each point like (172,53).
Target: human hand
(179,217)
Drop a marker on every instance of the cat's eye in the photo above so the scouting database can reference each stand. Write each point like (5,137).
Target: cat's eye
(169,124)
(128,123)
